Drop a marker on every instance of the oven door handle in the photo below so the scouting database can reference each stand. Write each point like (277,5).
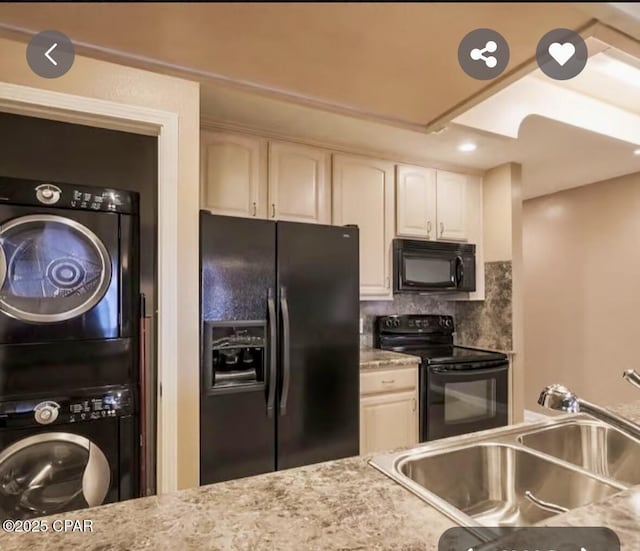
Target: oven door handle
(467,372)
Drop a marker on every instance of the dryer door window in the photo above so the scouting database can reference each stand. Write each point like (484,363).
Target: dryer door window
(52,269)
(52,473)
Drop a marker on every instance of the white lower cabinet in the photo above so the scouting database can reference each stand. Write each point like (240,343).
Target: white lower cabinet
(388,409)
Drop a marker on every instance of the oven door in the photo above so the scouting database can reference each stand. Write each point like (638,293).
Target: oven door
(458,400)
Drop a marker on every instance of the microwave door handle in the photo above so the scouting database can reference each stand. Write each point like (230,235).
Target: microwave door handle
(459,271)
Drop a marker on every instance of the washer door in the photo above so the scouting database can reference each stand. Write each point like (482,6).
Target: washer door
(52,269)
(51,473)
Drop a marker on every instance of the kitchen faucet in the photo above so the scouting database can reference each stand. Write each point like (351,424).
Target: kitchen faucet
(560,398)
(632,376)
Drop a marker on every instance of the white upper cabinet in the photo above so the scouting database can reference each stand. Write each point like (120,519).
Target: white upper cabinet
(363,194)
(415,201)
(233,174)
(299,188)
(451,206)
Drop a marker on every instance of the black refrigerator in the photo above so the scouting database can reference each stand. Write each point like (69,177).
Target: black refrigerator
(279,345)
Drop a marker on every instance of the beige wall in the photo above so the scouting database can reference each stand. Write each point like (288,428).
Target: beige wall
(497,213)
(582,290)
(502,233)
(98,79)
(518,360)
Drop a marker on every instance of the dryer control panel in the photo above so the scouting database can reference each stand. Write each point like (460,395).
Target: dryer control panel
(18,191)
(89,406)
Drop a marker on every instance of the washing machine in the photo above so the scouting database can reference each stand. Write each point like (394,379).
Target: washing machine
(69,286)
(60,453)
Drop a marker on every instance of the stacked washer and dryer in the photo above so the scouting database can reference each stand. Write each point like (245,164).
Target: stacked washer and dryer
(69,347)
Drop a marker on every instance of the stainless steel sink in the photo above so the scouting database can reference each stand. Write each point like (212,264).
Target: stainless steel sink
(518,476)
(592,445)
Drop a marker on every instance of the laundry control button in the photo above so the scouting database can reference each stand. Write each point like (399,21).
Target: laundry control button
(48,194)
(46,412)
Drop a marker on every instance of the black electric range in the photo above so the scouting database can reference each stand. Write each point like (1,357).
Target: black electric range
(462,389)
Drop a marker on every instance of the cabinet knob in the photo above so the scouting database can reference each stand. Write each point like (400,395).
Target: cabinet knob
(255,208)
(273,210)
(441,228)
(428,228)
(388,382)
(388,282)
(414,404)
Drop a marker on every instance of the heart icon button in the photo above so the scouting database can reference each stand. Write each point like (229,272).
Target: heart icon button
(562,52)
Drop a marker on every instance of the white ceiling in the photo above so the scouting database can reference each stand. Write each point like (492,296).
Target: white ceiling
(395,61)
(554,155)
(557,156)
(609,76)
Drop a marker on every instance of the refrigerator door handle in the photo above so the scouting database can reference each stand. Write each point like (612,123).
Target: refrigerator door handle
(273,332)
(286,359)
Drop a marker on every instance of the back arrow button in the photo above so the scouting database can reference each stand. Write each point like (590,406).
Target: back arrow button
(47,54)
(40,54)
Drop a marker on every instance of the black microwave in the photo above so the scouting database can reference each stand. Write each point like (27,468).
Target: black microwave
(432,266)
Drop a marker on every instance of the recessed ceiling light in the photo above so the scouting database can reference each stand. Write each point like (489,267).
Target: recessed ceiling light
(467,147)
(637,151)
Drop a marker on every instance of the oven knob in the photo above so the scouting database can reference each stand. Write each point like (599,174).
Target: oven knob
(48,194)
(396,323)
(46,412)
(387,323)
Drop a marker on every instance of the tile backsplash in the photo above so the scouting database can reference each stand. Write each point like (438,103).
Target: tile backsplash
(485,324)
(488,323)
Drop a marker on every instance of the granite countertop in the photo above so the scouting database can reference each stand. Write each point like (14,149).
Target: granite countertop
(374,358)
(344,504)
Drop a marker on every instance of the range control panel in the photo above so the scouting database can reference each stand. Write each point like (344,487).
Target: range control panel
(104,404)
(415,323)
(69,196)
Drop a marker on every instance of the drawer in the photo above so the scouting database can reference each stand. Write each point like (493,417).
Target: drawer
(388,380)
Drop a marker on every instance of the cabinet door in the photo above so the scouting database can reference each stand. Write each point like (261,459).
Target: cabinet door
(451,206)
(298,183)
(363,194)
(415,201)
(388,421)
(233,174)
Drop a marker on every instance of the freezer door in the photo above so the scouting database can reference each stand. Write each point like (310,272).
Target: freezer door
(319,344)
(237,272)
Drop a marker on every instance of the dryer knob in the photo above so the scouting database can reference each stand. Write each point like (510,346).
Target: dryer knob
(48,194)
(46,413)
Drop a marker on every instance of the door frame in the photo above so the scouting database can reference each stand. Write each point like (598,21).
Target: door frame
(36,102)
